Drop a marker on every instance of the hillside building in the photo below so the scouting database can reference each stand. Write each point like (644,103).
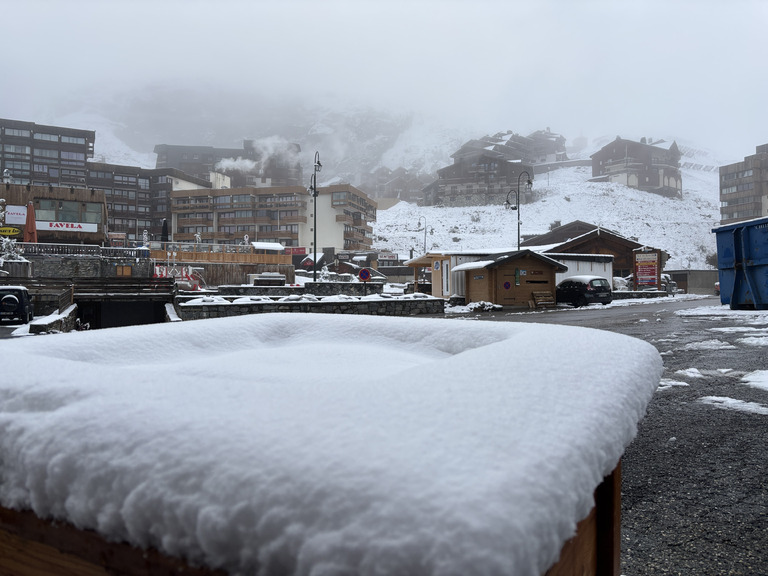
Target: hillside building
(249,166)
(486,169)
(652,167)
(744,188)
(280,214)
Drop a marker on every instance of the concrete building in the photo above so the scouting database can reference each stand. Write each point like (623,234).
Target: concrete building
(282,214)
(744,188)
(42,155)
(249,166)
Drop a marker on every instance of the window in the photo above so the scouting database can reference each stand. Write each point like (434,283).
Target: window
(46,211)
(100,175)
(144,183)
(16,132)
(72,156)
(43,152)
(92,213)
(121,178)
(73,140)
(69,211)
(48,137)
(16,149)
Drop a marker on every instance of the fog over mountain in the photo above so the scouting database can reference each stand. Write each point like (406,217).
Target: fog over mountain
(216,72)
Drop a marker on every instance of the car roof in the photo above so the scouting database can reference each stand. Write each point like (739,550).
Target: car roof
(585,278)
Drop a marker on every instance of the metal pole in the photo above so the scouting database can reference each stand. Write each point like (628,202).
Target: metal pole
(425,232)
(518,202)
(317,168)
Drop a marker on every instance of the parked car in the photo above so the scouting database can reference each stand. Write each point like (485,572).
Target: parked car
(584,290)
(15,304)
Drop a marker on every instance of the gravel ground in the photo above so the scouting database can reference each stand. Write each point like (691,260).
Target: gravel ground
(695,480)
(695,491)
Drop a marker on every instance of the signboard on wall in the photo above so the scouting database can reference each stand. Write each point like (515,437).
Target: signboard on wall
(15,215)
(68,226)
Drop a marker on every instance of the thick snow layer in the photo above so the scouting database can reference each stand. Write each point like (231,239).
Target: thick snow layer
(320,444)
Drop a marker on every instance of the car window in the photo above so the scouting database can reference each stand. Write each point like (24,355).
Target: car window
(600,283)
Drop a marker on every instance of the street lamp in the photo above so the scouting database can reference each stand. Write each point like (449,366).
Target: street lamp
(313,191)
(516,206)
(425,232)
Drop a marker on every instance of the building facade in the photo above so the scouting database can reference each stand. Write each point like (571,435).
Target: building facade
(744,188)
(249,166)
(652,167)
(40,155)
(282,214)
(62,215)
(138,199)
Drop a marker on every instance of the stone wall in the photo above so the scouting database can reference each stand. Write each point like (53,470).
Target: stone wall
(88,266)
(319,289)
(64,322)
(382,307)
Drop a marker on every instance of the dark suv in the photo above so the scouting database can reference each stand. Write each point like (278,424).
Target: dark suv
(583,290)
(15,304)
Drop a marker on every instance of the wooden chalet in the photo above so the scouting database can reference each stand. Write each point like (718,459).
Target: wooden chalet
(653,167)
(580,237)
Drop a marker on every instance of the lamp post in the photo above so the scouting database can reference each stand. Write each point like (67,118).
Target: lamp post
(425,232)
(313,191)
(516,206)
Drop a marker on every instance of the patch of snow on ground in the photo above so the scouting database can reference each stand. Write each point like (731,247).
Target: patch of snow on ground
(667,383)
(690,373)
(754,341)
(757,379)
(733,404)
(709,345)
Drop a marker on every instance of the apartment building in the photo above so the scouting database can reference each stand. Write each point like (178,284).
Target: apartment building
(744,188)
(138,199)
(42,155)
(282,214)
(252,165)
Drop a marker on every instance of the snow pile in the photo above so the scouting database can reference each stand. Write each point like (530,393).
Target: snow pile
(249,442)
(682,227)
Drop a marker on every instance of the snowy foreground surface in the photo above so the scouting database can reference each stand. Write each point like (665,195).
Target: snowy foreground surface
(323,444)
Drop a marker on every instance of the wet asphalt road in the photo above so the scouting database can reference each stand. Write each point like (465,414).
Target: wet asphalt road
(695,480)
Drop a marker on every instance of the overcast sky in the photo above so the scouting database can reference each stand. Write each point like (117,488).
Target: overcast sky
(691,69)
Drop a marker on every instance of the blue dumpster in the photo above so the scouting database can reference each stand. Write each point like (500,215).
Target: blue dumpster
(742,263)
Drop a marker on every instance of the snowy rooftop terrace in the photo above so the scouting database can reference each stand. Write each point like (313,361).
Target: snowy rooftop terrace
(323,444)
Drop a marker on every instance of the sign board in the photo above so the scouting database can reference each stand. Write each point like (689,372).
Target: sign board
(15,214)
(9,231)
(364,275)
(301,251)
(387,256)
(68,226)
(646,269)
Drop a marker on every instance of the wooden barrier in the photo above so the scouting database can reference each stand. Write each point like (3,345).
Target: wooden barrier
(30,546)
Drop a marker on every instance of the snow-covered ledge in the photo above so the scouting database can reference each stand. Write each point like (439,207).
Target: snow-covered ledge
(303,443)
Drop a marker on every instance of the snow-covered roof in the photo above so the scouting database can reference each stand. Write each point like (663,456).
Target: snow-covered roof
(240,457)
(268,246)
(476,265)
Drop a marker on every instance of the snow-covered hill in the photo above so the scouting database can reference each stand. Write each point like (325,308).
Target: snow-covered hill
(682,227)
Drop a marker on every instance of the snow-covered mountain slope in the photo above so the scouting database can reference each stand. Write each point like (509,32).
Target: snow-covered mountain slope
(682,227)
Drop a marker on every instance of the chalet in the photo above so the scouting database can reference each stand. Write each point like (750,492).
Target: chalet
(652,167)
(485,169)
(583,238)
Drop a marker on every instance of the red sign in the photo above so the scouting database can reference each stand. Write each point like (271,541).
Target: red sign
(364,275)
